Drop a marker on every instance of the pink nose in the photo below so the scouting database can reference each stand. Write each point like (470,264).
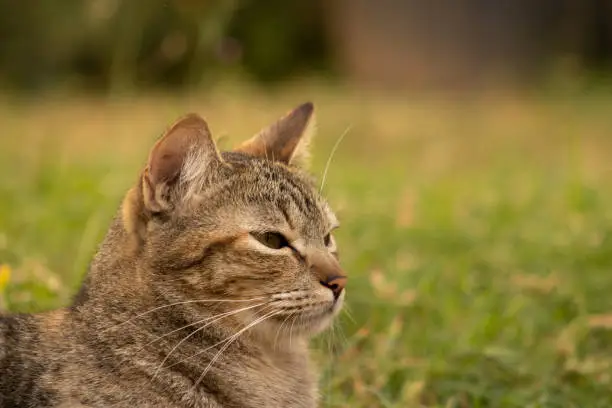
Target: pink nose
(329,272)
(335,283)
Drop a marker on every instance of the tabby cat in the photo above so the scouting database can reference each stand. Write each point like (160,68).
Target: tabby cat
(215,272)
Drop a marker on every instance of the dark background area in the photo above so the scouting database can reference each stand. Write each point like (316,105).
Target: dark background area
(107,45)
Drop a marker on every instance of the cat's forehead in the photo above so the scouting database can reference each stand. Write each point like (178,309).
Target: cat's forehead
(273,187)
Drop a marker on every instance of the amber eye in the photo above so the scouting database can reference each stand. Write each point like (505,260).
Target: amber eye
(274,240)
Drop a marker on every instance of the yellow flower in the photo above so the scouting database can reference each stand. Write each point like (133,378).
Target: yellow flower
(5,276)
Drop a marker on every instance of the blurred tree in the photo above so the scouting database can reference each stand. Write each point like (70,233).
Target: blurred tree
(130,23)
(468,43)
(132,44)
(280,38)
(211,24)
(35,40)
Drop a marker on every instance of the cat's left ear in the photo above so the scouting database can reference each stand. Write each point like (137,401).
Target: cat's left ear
(287,140)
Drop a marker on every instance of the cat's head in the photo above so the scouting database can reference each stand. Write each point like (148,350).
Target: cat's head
(246,229)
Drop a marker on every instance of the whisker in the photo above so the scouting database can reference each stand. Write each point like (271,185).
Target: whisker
(330,340)
(297,294)
(229,342)
(331,155)
(176,304)
(347,311)
(291,328)
(198,330)
(207,348)
(215,317)
(281,327)
(342,337)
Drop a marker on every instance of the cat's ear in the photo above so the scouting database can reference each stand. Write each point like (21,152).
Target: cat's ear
(287,140)
(180,158)
(178,164)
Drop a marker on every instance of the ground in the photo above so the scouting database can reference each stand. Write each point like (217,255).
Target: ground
(477,230)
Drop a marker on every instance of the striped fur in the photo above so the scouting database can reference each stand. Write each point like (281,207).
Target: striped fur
(182,271)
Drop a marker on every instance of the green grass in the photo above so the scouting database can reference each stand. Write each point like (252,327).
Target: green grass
(477,233)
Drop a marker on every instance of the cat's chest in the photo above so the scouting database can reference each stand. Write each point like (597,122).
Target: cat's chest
(253,383)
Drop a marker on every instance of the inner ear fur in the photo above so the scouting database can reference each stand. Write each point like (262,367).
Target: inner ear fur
(287,140)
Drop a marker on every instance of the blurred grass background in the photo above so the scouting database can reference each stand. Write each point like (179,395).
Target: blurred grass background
(472,186)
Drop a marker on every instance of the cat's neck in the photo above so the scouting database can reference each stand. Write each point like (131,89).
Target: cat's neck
(114,284)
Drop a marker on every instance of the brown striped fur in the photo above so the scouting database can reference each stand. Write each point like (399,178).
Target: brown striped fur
(191,245)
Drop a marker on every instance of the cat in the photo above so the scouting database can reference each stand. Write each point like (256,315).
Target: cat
(215,272)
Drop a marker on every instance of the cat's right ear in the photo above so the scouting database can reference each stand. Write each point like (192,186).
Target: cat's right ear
(287,140)
(178,164)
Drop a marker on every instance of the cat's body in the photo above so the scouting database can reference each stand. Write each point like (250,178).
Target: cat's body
(204,292)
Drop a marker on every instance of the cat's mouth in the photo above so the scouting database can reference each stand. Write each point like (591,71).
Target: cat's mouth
(313,321)
(301,313)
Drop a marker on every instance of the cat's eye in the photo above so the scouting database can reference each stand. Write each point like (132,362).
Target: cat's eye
(274,240)
(330,244)
(327,240)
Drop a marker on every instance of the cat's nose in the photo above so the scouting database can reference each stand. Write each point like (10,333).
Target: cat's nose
(329,272)
(336,284)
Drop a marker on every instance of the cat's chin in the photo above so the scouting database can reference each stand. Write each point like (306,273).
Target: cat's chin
(290,331)
(312,327)
(311,324)
(303,327)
